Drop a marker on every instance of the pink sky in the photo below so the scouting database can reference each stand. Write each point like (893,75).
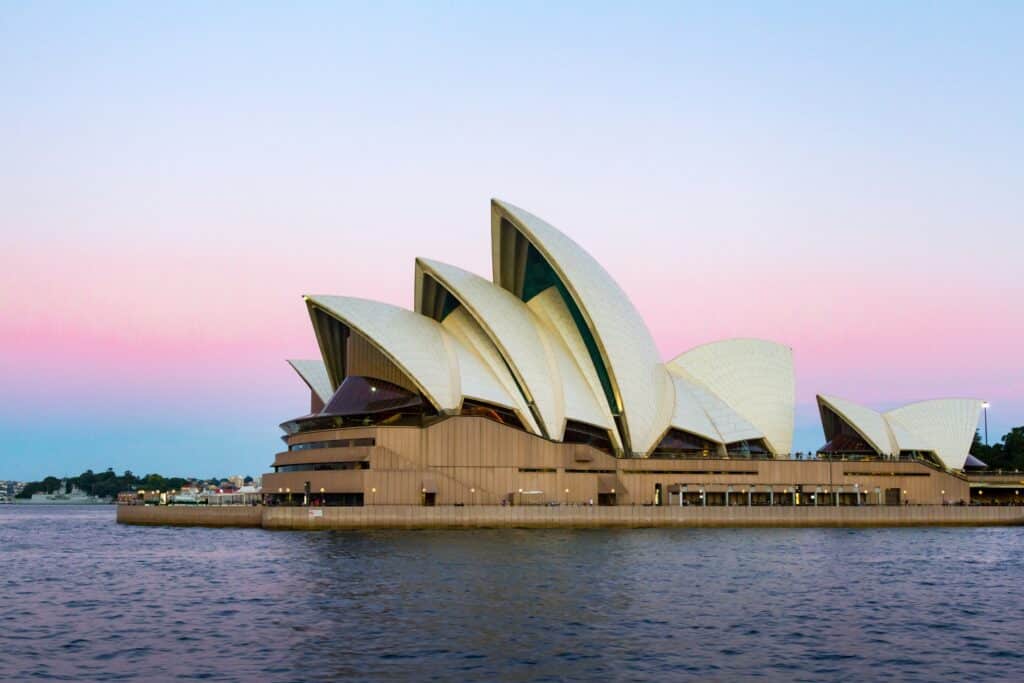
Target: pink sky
(839,181)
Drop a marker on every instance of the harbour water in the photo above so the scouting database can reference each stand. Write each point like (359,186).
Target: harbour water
(86,599)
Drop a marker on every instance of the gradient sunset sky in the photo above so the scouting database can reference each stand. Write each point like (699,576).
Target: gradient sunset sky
(847,180)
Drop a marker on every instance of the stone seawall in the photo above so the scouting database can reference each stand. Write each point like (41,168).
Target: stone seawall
(191,515)
(484,516)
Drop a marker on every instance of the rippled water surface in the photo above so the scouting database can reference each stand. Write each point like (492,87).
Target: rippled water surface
(86,599)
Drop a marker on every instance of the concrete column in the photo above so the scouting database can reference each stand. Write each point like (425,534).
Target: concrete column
(817,495)
(836,492)
(771,497)
(750,495)
(728,490)
(703,497)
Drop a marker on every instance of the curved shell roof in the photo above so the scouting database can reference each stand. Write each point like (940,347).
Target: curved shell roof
(516,333)
(416,344)
(944,427)
(638,380)
(445,362)
(755,378)
(689,415)
(867,422)
(581,388)
(483,373)
(314,374)
(730,425)
(946,424)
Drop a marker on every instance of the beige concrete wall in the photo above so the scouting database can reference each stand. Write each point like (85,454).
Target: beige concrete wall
(476,461)
(190,515)
(414,517)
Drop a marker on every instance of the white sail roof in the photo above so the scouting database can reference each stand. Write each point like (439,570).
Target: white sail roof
(483,374)
(689,415)
(755,378)
(581,388)
(639,381)
(867,422)
(947,425)
(418,345)
(513,330)
(446,362)
(314,374)
(730,425)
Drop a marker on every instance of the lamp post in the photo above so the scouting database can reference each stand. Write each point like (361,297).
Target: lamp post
(984,408)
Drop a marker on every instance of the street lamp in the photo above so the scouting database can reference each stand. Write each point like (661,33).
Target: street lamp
(984,407)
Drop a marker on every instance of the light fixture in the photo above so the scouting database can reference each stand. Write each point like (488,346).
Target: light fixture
(321,489)
(373,490)
(986,404)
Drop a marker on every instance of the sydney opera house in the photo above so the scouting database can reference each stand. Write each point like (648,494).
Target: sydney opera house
(543,386)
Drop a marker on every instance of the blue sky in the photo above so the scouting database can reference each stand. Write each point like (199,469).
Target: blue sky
(843,178)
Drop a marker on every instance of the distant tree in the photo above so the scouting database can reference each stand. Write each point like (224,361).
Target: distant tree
(1008,454)
(47,485)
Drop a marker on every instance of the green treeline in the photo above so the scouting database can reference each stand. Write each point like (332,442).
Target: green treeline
(106,484)
(1008,454)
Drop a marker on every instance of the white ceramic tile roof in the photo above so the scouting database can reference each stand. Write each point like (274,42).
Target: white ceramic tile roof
(688,415)
(314,374)
(483,374)
(581,389)
(514,331)
(730,425)
(415,343)
(755,378)
(867,422)
(904,439)
(638,376)
(948,425)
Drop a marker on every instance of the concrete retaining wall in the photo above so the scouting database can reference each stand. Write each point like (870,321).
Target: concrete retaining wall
(483,516)
(182,515)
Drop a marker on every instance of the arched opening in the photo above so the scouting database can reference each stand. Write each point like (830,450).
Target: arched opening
(366,402)
(750,448)
(843,440)
(499,414)
(584,433)
(680,444)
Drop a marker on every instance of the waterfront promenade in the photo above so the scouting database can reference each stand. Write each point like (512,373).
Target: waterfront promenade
(495,516)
